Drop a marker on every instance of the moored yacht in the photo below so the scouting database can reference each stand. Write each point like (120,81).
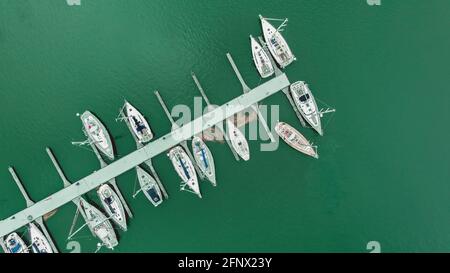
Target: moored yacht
(238,140)
(260,58)
(15,244)
(295,139)
(306,104)
(204,159)
(39,243)
(277,45)
(98,224)
(112,205)
(149,186)
(138,123)
(185,169)
(98,134)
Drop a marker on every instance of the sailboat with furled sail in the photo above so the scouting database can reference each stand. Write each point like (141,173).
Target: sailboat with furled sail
(261,60)
(295,139)
(185,169)
(204,159)
(277,45)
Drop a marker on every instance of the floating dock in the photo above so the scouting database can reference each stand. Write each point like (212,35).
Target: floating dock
(150,150)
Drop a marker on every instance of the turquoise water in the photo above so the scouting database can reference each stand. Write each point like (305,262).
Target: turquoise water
(383,170)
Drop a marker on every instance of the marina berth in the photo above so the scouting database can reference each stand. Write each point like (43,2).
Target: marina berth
(96,221)
(190,162)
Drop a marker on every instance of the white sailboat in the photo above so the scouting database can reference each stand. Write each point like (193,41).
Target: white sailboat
(261,60)
(204,159)
(149,186)
(39,243)
(98,134)
(139,124)
(295,139)
(112,205)
(306,104)
(15,244)
(185,169)
(98,224)
(238,140)
(277,45)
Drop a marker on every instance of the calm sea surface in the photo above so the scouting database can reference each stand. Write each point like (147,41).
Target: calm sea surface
(383,173)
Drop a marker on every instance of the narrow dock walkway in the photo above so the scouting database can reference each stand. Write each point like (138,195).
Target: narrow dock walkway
(137,157)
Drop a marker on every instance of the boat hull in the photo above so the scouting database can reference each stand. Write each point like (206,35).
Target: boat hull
(99,225)
(39,243)
(98,134)
(306,104)
(204,159)
(261,60)
(238,141)
(139,124)
(112,205)
(295,139)
(149,187)
(185,169)
(277,45)
(15,244)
